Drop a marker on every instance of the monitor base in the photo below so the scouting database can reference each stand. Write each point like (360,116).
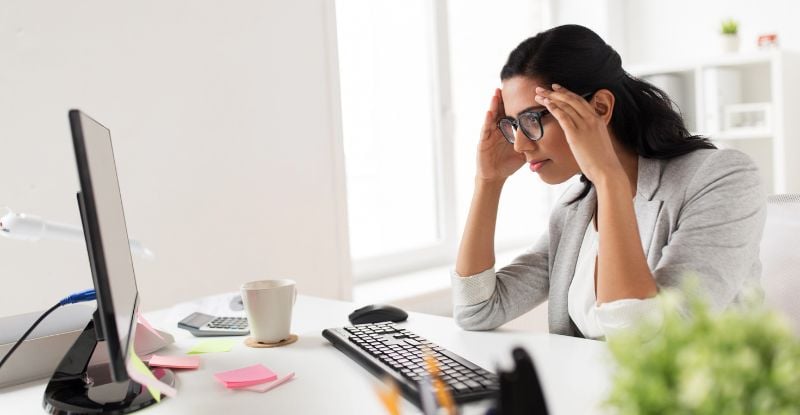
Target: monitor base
(77,388)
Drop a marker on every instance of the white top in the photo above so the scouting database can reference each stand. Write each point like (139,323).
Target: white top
(598,321)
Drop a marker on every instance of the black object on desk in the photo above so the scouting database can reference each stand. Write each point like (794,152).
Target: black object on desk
(75,387)
(387,350)
(520,390)
(377,313)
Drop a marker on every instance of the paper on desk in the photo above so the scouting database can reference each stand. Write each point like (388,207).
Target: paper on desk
(212,346)
(175,362)
(264,387)
(143,376)
(246,376)
(140,318)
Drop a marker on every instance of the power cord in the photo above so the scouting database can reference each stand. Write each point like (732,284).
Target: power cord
(79,297)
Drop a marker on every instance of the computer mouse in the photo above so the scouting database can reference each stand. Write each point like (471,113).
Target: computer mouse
(376,313)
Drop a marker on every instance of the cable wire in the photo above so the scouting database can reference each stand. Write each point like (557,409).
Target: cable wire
(79,297)
(27,333)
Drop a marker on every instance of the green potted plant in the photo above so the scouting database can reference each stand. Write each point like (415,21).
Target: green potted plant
(745,360)
(729,35)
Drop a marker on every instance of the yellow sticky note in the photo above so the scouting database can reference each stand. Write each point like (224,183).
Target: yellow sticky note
(141,369)
(212,346)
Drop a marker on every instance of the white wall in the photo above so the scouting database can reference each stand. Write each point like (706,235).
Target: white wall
(225,132)
(646,31)
(604,17)
(659,31)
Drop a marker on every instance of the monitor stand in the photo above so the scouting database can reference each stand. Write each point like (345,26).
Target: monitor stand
(76,388)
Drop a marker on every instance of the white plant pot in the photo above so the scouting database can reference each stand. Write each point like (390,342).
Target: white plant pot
(729,43)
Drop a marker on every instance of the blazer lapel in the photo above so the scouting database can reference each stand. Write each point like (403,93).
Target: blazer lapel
(647,209)
(646,217)
(576,221)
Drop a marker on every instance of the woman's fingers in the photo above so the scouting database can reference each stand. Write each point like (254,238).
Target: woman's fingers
(581,106)
(488,126)
(563,106)
(494,113)
(501,108)
(566,119)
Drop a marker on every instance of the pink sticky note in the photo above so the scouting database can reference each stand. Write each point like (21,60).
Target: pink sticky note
(175,362)
(140,318)
(246,376)
(264,387)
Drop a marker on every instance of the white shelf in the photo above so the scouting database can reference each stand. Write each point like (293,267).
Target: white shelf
(743,134)
(712,90)
(659,69)
(738,59)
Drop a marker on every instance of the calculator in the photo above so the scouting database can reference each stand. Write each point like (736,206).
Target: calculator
(204,325)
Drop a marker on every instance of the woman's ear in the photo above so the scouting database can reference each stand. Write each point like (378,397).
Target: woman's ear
(603,104)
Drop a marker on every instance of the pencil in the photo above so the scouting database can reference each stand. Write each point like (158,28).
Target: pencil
(443,395)
(390,397)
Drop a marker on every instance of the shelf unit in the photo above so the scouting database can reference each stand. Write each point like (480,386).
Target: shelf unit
(762,88)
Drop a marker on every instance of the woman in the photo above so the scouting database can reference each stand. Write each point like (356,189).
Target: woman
(655,205)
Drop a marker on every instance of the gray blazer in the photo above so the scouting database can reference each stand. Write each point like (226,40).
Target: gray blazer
(701,213)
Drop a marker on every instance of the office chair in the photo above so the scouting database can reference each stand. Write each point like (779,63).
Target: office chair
(780,257)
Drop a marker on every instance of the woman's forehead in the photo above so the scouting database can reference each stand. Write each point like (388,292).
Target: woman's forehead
(518,93)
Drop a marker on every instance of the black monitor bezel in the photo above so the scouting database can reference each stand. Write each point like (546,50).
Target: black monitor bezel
(94,245)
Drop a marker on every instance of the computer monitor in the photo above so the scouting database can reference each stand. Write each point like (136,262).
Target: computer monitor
(106,238)
(73,388)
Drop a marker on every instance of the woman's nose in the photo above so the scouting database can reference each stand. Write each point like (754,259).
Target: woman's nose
(522,142)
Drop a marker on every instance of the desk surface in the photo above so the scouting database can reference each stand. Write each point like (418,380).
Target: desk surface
(575,372)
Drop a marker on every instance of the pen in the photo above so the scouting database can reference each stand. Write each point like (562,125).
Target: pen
(442,393)
(426,396)
(389,396)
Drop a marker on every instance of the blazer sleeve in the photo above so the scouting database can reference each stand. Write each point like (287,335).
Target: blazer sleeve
(718,230)
(489,299)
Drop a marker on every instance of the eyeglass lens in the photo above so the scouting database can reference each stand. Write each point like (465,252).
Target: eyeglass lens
(529,123)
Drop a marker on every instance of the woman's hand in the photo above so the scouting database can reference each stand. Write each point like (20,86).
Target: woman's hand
(586,131)
(496,157)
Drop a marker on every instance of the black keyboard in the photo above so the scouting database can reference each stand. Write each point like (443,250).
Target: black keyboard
(386,350)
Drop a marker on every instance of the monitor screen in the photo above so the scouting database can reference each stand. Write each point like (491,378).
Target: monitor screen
(106,238)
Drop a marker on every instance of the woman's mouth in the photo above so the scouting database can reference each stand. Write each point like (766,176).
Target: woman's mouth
(537,165)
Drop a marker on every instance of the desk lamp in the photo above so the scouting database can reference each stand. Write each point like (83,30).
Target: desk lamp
(32,228)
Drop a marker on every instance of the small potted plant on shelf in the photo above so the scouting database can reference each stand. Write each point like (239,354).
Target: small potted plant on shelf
(729,36)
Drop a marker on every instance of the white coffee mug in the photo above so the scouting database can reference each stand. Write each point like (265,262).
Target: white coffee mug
(268,304)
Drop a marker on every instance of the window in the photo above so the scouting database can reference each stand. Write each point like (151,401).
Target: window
(416,78)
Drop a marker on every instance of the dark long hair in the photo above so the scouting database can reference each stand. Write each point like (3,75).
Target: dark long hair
(644,119)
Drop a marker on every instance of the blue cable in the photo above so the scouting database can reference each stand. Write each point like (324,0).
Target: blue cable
(78,297)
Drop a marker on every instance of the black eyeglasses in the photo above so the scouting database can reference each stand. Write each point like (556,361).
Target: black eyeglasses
(529,121)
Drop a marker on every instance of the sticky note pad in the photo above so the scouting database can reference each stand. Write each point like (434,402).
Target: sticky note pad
(175,362)
(265,387)
(212,346)
(143,321)
(246,376)
(142,375)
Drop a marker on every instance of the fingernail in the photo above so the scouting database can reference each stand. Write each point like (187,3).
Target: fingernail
(556,86)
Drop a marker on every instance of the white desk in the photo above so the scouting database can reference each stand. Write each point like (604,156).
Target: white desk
(575,372)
